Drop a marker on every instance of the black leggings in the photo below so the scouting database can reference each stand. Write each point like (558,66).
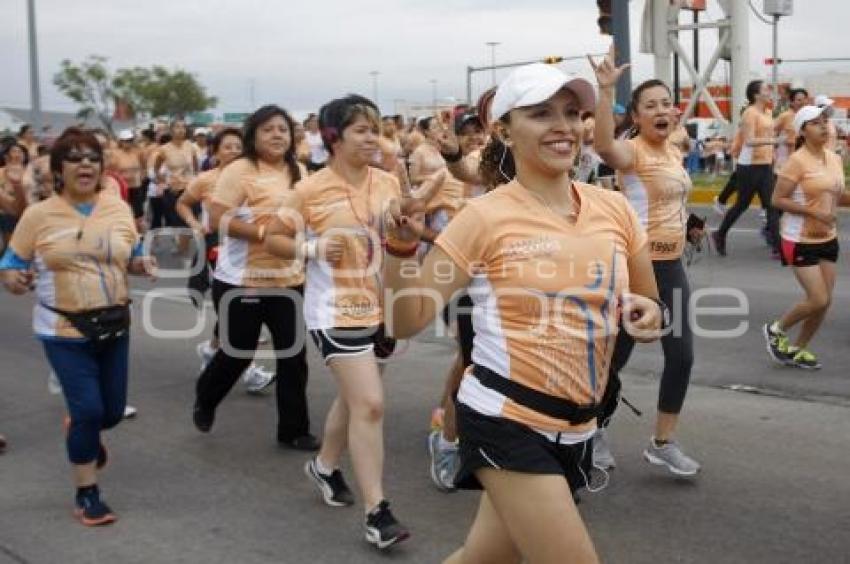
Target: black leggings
(677,344)
(753,179)
(246,315)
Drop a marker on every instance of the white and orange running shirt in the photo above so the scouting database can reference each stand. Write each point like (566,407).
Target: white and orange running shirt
(80,261)
(657,186)
(201,189)
(545,294)
(254,193)
(818,186)
(760,125)
(348,294)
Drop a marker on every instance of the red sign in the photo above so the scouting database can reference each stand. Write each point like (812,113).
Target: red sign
(693,5)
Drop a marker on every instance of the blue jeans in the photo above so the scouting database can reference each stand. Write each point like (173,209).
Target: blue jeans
(94,383)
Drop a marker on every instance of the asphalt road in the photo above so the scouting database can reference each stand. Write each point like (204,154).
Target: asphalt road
(774,487)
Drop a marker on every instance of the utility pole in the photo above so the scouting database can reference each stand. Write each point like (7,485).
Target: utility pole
(620,28)
(739,13)
(35,90)
(775,77)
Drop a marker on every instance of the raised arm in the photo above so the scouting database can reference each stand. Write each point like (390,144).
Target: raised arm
(616,154)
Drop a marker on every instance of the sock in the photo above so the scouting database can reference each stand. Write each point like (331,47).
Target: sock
(323,470)
(446,444)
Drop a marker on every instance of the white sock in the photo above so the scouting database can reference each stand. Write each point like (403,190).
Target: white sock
(324,470)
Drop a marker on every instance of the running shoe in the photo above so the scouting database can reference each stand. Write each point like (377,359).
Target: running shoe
(3,444)
(602,456)
(805,359)
(719,207)
(91,510)
(130,411)
(719,243)
(382,528)
(669,454)
(202,418)
(777,343)
(445,461)
(53,385)
(333,488)
(256,379)
(205,353)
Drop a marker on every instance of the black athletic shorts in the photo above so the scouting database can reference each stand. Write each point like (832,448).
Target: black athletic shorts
(137,198)
(352,341)
(496,442)
(808,254)
(169,201)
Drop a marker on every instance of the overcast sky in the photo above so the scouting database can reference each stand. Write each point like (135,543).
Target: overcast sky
(301,54)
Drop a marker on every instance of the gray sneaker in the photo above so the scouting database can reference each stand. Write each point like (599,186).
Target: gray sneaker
(445,462)
(602,457)
(671,455)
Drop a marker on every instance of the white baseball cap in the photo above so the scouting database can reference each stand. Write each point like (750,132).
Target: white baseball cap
(536,83)
(125,135)
(201,131)
(823,100)
(806,114)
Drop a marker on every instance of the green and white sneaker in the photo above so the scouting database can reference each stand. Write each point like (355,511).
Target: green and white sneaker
(778,345)
(806,360)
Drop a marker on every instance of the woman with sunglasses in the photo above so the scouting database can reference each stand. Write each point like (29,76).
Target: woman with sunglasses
(252,287)
(75,250)
(549,270)
(809,188)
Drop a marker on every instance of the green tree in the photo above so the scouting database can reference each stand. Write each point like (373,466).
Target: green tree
(154,91)
(89,84)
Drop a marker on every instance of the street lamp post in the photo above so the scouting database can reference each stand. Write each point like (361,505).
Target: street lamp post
(374,74)
(35,90)
(493,45)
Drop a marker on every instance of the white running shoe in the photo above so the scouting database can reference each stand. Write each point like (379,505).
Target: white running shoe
(205,353)
(53,385)
(130,411)
(719,209)
(670,455)
(257,379)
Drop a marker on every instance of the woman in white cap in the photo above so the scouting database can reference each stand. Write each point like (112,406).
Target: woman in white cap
(825,102)
(651,176)
(549,270)
(809,189)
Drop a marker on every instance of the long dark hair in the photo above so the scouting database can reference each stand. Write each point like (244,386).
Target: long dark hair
(497,165)
(253,123)
(753,89)
(633,104)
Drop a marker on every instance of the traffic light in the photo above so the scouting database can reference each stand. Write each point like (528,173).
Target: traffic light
(604,20)
(552,60)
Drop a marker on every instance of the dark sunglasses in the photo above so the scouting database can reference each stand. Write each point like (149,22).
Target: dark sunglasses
(77,157)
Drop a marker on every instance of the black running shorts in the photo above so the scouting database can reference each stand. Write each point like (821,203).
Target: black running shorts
(352,341)
(496,442)
(808,254)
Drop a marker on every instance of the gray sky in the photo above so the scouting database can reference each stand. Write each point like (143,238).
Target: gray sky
(302,53)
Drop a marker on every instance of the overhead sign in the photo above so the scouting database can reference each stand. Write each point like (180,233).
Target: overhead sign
(235,117)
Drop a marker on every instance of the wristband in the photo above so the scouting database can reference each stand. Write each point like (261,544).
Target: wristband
(310,249)
(452,157)
(666,315)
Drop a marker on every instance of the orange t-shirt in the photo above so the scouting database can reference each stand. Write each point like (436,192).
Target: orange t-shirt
(201,189)
(817,185)
(349,294)
(129,164)
(180,160)
(545,294)
(80,261)
(657,187)
(254,193)
(760,125)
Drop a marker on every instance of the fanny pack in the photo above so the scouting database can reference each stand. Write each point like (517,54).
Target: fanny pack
(558,408)
(99,325)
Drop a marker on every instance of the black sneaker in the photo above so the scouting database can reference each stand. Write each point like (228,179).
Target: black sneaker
(91,510)
(306,443)
(203,419)
(334,490)
(382,529)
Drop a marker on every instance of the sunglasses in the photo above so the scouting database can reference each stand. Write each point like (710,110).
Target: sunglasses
(77,157)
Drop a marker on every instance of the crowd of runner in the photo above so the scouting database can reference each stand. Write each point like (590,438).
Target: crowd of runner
(578,209)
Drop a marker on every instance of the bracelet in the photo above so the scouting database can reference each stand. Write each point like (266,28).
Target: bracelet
(452,157)
(400,251)
(666,315)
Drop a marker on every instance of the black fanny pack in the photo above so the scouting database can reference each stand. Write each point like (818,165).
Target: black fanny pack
(558,408)
(99,325)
